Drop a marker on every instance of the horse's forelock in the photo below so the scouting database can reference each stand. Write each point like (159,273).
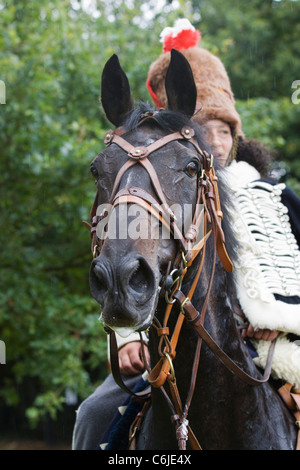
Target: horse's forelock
(168,120)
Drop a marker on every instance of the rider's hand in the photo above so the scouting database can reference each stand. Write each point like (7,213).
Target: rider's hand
(265,334)
(131,359)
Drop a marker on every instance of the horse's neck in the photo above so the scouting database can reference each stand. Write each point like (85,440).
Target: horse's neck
(218,393)
(220,323)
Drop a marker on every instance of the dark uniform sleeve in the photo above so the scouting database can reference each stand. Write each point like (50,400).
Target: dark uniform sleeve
(292,202)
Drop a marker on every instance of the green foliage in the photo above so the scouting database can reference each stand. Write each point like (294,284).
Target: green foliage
(50,130)
(51,127)
(276,124)
(257,41)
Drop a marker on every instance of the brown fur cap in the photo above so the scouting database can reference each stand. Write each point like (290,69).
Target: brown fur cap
(214,94)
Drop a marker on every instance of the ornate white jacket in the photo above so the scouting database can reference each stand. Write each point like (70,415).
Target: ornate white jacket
(267,273)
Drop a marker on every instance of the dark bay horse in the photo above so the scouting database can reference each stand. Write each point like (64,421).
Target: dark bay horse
(151,160)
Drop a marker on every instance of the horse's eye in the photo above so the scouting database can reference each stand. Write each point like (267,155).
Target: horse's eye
(191,169)
(94,171)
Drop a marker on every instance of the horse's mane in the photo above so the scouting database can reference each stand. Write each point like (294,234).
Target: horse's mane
(173,121)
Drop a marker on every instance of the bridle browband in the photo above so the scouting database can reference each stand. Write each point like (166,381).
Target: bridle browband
(211,215)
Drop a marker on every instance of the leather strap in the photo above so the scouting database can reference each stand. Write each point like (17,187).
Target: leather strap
(137,423)
(123,169)
(182,434)
(145,205)
(193,317)
(114,359)
(162,212)
(160,371)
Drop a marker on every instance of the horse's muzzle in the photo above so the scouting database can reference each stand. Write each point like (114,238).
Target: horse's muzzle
(126,290)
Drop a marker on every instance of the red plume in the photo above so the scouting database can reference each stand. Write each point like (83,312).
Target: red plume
(184,40)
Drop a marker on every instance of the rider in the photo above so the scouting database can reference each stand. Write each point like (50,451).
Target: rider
(268,275)
(266,223)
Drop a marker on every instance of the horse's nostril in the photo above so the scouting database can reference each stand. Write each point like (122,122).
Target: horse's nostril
(98,270)
(142,278)
(133,279)
(98,282)
(138,281)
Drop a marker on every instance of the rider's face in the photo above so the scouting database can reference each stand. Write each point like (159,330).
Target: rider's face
(218,136)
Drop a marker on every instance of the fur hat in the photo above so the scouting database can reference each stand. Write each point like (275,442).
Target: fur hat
(215,99)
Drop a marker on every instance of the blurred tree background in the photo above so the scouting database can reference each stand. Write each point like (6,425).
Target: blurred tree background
(51,126)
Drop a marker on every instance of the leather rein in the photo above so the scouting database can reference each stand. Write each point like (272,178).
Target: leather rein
(189,249)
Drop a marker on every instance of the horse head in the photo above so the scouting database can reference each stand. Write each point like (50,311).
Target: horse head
(148,189)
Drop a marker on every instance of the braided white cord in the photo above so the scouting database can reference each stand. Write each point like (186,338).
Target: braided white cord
(269,258)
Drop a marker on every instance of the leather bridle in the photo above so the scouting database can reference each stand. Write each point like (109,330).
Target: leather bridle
(187,252)
(207,189)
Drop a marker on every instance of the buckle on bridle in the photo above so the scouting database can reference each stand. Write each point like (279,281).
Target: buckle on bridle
(169,285)
(172,371)
(108,137)
(183,304)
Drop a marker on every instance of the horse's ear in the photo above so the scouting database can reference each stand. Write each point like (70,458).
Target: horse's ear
(115,92)
(180,85)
